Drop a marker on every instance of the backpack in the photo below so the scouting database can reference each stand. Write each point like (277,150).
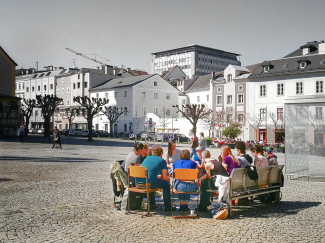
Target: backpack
(220,211)
(251,172)
(195,142)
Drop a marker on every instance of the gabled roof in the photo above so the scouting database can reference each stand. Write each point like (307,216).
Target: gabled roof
(313,49)
(122,82)
(240,68)
(252,67)
(8,56)
(202,82)
(169,71)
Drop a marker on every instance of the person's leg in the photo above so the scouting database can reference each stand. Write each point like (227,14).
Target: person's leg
(193,151)
(53,144)
(205,196)
(166,191)
(60,143)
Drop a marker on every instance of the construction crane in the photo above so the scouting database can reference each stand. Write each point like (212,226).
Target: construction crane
(85,56)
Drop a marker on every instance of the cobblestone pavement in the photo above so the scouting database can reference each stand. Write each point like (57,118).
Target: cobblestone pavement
(53,195)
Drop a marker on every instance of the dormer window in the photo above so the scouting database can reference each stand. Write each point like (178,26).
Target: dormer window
(303,63)
(266,69)
(267,66)
(229,79)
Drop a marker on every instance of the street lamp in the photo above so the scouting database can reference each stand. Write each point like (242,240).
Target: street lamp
(125,112)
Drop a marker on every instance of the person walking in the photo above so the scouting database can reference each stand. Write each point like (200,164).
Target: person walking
(21,134)
(194,142)
(57,138)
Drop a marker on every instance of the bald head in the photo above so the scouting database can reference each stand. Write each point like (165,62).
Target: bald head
(206,154)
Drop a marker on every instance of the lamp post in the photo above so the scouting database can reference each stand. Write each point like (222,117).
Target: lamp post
(125,112)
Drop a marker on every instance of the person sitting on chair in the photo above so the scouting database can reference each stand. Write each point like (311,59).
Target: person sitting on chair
(183,186)
(157,174)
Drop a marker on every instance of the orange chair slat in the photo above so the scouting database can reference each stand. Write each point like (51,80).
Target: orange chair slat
(186,174)
(137,171)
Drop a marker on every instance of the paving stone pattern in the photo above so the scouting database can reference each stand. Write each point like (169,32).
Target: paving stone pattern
(53,195)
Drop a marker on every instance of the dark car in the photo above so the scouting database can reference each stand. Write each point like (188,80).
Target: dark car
(136,135)
(179,138)
(64,132)
(102,133)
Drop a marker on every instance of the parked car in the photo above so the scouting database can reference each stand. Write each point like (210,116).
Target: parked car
(51,131)
(86,132)
(179,137)
(102,133)
(136,135)
(148,136)
(64,132)
(75,132)
(33,130)
(162,137)
(40,131)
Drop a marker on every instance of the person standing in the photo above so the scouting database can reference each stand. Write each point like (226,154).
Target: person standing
(203,143)
(194,142)
(57,138)
(21,134)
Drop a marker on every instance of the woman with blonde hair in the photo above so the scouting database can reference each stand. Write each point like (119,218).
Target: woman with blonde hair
(229,161)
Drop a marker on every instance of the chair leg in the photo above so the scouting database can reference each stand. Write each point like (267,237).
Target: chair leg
(148,202)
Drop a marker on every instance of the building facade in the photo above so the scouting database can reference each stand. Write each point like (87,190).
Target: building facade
(193,60)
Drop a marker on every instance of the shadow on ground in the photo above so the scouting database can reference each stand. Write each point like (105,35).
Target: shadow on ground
(51,159)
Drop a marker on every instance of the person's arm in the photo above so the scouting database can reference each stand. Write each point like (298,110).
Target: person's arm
(208,168)
(164,175)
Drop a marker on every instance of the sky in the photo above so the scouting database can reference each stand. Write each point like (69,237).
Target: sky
(127,32)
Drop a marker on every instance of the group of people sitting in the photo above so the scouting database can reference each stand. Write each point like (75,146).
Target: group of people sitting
(160,167)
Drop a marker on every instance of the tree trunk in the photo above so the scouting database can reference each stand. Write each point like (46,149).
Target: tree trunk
(111,123)
(27,125)
(47,127)
(90,129)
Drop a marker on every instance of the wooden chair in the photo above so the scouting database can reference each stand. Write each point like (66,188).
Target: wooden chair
(185,175)
(139,172)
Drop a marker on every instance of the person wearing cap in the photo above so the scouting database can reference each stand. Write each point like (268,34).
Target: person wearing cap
(21,134)
(197,157)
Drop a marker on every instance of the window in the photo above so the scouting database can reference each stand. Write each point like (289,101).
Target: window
(36,113)
(44,87)
(143,111)
(240,99)
(125,94)
(198,98)
(319,87)
(240,117)
(279,113)
(57,91)
(27,89)
(155,111)
(19,86)
(155,83)
(86,84)
(280,89)
(229,99)
(266,69)
(33,88)
(262,90)
(97,95)
(38,88)
(240,87)
(299,88)
(219,100)
(303,65)
(262,113)
(155,95)
(68,90)
(167,112)
(68,102)
(78,85)
(319,112)
(23,85)
(106,95)
(183,101)
(167,96)
(229,79)
(62,92)
(219,89)
(143,95)
(229,118)
(51,86)
(74,86)
(78,76)
(207,97)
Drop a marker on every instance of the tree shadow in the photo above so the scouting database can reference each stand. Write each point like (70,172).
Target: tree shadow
(50,159)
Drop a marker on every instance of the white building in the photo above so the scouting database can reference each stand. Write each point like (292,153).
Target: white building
(144,96)
(193,60)
(300,74)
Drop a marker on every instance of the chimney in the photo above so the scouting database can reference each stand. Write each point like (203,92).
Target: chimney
(115,72)
(108,69)
(321,48)
(213,74)
(128,69)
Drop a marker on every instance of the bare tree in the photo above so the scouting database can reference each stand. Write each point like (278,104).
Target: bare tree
(68,113)
(48,105)
(136,121)
(27,107)
(163,119)
(255,122)
(90,108)
(193,113)
(112,114)
(278,125)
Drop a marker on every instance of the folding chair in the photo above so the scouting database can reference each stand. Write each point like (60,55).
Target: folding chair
(139,172)
(186,175)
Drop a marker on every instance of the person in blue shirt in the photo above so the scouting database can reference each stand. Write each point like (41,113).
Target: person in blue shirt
(197,157)
(157,174)
(182,186)
(21,134)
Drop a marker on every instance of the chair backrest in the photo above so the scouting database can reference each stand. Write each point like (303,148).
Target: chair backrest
(275,174)
(263,175)
(137,171)
(237,176)
(186,174)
